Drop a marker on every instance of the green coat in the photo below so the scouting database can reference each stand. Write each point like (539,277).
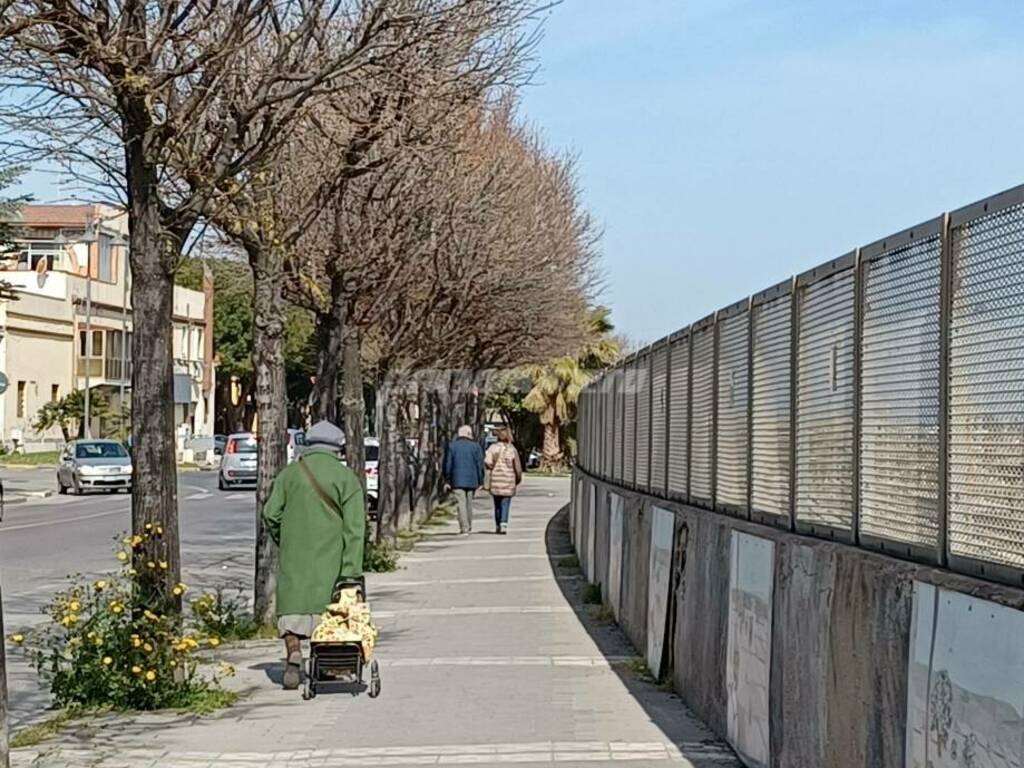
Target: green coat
(317,546)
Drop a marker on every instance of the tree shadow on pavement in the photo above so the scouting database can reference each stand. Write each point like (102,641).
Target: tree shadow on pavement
(662,705)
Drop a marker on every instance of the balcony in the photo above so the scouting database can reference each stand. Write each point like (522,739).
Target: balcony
(103,370)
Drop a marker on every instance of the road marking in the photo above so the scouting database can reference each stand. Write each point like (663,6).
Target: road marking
(540,752)
(449,558)
(603,662)
(198,488)
(481,610)
(239,497)
(483,580)
(199,496)
(64,520)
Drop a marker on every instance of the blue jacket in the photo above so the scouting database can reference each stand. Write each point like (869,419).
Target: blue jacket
(464,464)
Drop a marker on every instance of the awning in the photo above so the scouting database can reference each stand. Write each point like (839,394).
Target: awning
(182,389)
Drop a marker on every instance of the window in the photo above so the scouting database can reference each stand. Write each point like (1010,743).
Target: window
(83,344)
(32,253)
(54,393)
(97,344)
(105,267)
(22,399)
(199,344)
(100,451)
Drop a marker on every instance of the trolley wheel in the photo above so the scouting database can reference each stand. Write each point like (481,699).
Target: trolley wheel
(374,680)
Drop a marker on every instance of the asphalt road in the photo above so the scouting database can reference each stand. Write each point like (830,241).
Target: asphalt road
(42,541)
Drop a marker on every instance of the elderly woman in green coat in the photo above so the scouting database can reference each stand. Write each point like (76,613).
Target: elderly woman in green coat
(317,517)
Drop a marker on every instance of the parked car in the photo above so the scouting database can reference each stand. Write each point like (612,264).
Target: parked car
(533,459)
(219,441)
(102,465)
(296,444)
(238,464)
(371,461)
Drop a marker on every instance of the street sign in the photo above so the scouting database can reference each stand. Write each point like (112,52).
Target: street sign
(3,383)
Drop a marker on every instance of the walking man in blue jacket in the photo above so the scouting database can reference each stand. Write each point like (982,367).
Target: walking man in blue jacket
(464,472)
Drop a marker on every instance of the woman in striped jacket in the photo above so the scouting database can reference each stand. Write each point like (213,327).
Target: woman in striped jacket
(502,460)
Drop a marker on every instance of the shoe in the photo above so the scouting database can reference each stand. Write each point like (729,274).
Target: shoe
(497,528)
(292,672)
(503,529)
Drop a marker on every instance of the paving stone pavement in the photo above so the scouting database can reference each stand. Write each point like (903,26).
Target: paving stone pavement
(487,657)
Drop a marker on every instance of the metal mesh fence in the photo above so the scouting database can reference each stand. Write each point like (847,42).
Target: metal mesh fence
(731,424)
(878,399)
(825,403)
(986,408)
(899,432)
(629,433)
(678,416)
(702,428)
(659,417)
(771,332)
(643,421)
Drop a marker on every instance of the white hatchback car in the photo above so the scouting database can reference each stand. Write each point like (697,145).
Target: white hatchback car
(371,461)
(238,464)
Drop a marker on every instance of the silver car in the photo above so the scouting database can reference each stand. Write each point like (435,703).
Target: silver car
(238,464)
(100,465)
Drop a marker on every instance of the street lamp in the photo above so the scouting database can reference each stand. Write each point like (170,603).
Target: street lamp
(88,238)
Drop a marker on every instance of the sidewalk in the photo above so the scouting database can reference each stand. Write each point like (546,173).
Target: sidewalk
(487,657)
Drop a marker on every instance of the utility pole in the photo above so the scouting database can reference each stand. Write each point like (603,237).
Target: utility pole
(5,756)
(88,237)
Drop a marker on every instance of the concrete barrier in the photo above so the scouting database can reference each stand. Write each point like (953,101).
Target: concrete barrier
(804,652)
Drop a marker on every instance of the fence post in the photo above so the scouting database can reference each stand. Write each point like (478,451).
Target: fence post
(945,330)
(668,414)
(689,416)
(650,418)
(713,437)
(750,408)
(794,372)
(859,269)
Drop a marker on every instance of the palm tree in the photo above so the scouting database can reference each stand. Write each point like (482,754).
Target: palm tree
(557,384)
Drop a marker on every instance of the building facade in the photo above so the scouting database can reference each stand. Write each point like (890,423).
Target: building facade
(70,327)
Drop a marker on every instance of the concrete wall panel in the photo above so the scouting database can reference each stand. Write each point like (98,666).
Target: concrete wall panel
(601,542)
(635,565)
(615,545)
(749,659)
(663,526)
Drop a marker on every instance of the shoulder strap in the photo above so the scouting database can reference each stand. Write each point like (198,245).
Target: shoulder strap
(319,489)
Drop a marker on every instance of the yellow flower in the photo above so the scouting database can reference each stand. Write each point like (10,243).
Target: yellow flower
(116,607)
(100,585)
(147,648)
(163,565)
(122,556)
(151,675)
(174,663)
(179,589)
(69,620)
(151,564)
(132,572)
(75,606)
(107,661)
(18,639)
(136,642)
(159,531)
(150,615)
(136,541)
(214,642)
(149,526)
(136,669)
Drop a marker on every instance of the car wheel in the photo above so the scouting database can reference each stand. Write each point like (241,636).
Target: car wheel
(61,488)
(220,483)
(76,489)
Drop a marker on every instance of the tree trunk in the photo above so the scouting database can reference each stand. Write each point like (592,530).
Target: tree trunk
(5,758)
(272,412)
(153,257)
(330,327)
(553,457)
(352,406)
(389,477)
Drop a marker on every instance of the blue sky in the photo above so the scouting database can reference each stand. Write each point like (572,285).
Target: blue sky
(725,145)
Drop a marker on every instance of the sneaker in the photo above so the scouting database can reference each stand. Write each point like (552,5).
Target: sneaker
(503,529)
(292,672)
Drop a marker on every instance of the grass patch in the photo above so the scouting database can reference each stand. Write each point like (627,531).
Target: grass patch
(30,459)
(569,561)
(601,614)
(592,594)
(380,558)
(40,732)
(407,540)
(638,666)
(212,700)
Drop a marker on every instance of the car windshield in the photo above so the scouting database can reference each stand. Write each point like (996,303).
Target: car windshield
(242,445)
(100,451)
(372,453)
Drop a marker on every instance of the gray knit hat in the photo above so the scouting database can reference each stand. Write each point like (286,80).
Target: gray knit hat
(323,434)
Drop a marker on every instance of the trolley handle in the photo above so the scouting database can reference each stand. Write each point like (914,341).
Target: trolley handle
(358,582)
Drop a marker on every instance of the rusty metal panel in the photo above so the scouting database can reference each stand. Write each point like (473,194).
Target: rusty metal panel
(629,431)
(702,428)
(731,424)
(772,383)
(659,418)
(825,423)
(678,416)
(899,454)
(643,421)
(986,407)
